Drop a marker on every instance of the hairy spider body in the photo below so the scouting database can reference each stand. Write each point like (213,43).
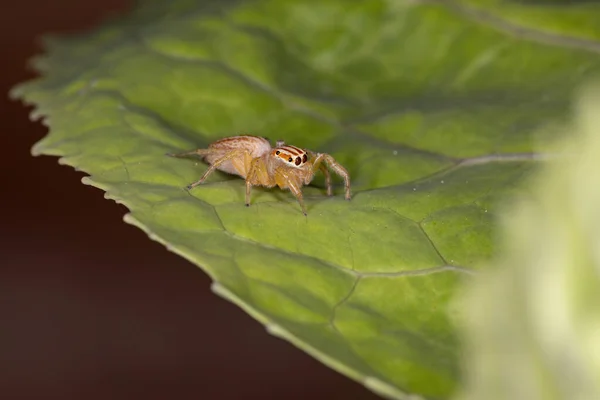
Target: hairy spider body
(253,158)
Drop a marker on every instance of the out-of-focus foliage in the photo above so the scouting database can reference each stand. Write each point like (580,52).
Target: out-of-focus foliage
(533,321)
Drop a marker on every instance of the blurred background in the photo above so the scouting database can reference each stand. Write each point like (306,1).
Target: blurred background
(90,308)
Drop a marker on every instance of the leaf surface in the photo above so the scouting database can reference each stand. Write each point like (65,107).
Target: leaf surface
(430,107)
(540,302)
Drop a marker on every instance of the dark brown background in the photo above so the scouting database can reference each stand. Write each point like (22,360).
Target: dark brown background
(78,322)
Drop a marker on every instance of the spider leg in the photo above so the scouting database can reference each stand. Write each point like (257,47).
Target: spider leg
(323,169)
(251,177)
(215,164)
(199,152)
(336,167)
(282,178)
(325,172)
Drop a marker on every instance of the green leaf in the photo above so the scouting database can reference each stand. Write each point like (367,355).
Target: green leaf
(533,321)
(429,107)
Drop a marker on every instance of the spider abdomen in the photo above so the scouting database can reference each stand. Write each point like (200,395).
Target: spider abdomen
(254,145)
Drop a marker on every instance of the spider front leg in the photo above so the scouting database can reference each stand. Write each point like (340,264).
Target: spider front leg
(323,169)
(325,172)
(284,180)
(336,167)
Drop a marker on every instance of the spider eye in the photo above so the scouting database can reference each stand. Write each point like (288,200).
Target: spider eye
(298,161)
(304,158)
(290,159)
(277,152)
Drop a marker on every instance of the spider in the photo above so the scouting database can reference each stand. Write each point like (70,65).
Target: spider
(253,158)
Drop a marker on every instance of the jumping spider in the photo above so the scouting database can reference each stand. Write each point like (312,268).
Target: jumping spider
(253,158)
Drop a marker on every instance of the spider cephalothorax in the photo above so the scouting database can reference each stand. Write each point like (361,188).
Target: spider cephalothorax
(253,158)
(291,155)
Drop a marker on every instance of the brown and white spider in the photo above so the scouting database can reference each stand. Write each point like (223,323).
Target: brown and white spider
(253,158)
